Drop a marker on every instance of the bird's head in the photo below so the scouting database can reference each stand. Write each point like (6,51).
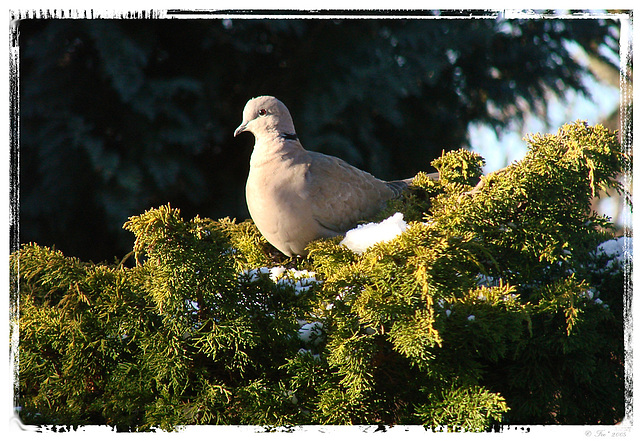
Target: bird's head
(264,115)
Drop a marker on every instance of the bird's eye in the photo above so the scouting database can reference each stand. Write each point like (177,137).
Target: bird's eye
(262,112)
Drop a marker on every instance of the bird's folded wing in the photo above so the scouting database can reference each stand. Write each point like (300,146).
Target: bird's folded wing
(340,195)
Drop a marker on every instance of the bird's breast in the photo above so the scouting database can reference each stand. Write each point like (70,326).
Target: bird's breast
(276,196)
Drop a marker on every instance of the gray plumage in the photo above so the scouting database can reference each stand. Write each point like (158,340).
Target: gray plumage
(296,196)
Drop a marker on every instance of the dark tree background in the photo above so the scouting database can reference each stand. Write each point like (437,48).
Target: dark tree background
(118,116)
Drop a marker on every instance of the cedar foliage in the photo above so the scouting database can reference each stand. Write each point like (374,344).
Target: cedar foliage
(492,308)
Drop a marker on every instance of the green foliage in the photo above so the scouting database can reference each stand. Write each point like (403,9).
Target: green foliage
(470,409)
(494,307)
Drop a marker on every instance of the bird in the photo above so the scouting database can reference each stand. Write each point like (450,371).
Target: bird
(296,196)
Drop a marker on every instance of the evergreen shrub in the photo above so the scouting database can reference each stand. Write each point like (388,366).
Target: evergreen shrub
(502,303)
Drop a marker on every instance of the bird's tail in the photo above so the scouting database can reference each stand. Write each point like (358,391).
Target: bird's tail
(401,185)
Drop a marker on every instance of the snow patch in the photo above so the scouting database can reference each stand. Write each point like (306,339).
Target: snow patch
(310,331)
(300,280)
(616,249)
(365,236)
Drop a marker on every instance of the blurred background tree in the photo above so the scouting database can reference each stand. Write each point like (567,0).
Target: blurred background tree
(117,116)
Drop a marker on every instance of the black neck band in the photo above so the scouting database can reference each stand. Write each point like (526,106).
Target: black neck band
(290,136)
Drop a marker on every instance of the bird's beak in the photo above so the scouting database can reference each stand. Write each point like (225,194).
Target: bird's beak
(241,128)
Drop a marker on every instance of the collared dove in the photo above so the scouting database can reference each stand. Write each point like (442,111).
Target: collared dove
(295,195)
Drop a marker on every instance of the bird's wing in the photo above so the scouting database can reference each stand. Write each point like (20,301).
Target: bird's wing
(340,195)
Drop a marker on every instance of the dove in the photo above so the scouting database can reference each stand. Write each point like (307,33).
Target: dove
(296,196)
